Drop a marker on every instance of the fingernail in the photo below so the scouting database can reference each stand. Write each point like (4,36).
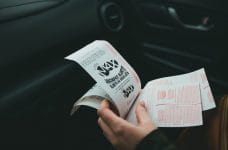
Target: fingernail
(142,103)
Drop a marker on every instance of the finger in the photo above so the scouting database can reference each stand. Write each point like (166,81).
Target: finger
(115,123)
(108,116)
(108,133)
(104,104)
(142,114)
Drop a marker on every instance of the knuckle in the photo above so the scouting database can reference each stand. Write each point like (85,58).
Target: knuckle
(119,130)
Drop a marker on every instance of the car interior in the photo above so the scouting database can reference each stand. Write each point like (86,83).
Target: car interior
(158,38)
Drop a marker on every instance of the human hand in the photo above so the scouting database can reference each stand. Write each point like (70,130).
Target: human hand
(122,134)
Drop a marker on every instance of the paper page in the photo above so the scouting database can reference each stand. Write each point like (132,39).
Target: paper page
(198,76)
(174,106)
(111,72)
(171,106)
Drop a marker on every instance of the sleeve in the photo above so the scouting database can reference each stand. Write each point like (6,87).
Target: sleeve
(156,140)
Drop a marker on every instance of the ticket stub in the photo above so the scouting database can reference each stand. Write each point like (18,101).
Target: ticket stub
(198,76)
(171,105)
(174,105)
(111,72)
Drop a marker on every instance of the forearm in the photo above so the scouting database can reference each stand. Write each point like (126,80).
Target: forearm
(155,141)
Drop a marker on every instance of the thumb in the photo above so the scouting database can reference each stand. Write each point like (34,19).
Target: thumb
(142,114)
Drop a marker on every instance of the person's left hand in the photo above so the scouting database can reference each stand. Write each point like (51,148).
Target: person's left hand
(122,134)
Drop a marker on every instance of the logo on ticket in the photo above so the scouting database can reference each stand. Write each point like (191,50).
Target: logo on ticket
(107,67)
(112,72)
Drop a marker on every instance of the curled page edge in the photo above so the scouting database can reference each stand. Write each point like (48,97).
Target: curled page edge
(92,98)
(92,101)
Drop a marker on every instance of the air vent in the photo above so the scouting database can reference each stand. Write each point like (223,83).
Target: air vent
(112,16)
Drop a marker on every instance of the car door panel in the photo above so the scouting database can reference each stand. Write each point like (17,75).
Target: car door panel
(39,35)
(193,37)
(39,87)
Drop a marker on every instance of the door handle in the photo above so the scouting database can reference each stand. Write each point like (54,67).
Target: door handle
(203,26)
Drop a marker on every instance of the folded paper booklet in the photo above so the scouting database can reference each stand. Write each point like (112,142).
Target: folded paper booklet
(176,101)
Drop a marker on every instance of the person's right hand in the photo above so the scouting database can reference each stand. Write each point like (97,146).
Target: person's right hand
(122,134)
